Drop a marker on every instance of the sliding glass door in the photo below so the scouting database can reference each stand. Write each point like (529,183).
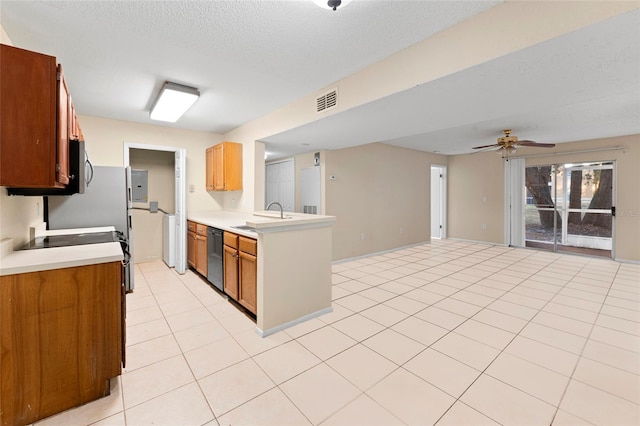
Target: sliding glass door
(569,207)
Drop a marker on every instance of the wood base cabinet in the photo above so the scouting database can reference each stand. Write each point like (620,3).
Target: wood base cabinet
(197,256)
(191,244)
(240,270)
(62,336)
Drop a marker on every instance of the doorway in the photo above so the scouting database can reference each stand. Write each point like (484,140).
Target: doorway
(438,201)
(180,185)
(570,207)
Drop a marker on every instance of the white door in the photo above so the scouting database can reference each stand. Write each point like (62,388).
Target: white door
(438,201)
(181,208)
(280,184)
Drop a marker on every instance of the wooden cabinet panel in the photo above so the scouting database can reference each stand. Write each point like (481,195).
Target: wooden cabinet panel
(28,138)
(241,270)
(209,169)
(197,255)
(224,167)
(64,126)
(248,245)
(231,271)
(248,281)
(191,249)
(201,254)
(61,334)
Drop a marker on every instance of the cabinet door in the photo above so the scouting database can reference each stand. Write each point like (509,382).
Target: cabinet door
(28,118)
(209,169)
(248,281)
(231,272)
(64,121)
(218,167)
(61,339)
(201,254)
(191,249)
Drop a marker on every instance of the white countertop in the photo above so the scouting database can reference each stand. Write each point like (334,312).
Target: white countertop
(261,221)
(23,261)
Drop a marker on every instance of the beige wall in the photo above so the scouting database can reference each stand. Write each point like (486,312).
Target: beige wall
(148,235)
(380,197)
(473,176)
(475,41)
(105,140)
(17,213)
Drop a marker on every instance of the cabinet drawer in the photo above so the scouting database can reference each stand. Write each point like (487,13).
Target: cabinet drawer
(201,229)
(191,226)
(248,245)
(230,239)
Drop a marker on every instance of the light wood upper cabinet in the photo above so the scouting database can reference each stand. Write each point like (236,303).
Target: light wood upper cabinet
(224,167)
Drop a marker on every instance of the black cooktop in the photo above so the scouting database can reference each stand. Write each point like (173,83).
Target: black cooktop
(70,240)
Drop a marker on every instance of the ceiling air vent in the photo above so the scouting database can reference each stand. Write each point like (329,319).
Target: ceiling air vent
(327,101)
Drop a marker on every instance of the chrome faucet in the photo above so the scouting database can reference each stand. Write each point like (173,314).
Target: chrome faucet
(279,205)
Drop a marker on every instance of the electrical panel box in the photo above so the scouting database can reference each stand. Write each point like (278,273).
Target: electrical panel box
(139,185)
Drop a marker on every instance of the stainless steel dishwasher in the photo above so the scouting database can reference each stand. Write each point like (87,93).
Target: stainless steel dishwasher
(215,243)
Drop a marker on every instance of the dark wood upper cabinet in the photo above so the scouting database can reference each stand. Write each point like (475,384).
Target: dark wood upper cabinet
(35,118)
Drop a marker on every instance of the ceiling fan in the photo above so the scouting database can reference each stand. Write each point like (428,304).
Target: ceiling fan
(507,144)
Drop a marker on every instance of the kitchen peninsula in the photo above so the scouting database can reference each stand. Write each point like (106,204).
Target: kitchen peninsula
(293,280)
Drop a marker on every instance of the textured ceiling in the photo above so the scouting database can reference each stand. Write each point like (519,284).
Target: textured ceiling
(250,57)
(246,57)
(582,85)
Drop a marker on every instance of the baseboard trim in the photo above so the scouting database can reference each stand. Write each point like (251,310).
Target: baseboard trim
(265,333)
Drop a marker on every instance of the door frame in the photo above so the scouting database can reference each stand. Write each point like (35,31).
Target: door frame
(180,165)
(442,200)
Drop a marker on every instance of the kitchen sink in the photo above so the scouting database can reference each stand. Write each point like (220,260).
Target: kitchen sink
(245,228)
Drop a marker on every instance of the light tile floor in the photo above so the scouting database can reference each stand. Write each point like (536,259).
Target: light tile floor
(447,333)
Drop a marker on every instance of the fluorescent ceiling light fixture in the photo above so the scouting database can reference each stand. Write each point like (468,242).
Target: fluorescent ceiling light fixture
(173,101)
(332,4)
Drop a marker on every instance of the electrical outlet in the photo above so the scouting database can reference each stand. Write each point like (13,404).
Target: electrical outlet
(484,226)
(362,236)
(192,188)
(401,230)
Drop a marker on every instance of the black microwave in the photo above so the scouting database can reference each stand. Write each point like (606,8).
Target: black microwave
(78,163)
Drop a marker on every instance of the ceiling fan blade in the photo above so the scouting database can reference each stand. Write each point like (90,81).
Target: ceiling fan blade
(485,146)
(539,145)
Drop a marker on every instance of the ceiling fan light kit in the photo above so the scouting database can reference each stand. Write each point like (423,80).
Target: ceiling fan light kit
(332,4)
(507,144)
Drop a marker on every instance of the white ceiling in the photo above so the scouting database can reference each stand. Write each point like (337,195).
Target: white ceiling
(250,57)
